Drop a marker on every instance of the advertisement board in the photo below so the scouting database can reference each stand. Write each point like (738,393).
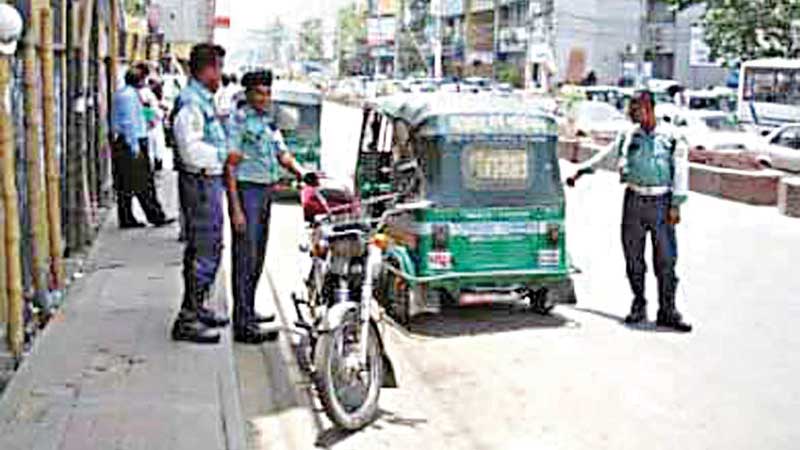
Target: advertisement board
(380,30)
(186,21)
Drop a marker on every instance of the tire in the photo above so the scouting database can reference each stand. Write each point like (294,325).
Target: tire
(396,296)
(361,413)
(541,303)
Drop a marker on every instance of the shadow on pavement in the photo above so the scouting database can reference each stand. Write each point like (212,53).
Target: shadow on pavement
(332,436)
(453,322)
(649,326)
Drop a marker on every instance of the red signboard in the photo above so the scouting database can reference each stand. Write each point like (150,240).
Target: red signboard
(222,22)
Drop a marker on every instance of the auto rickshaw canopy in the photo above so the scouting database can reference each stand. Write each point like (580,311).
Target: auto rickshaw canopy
(442,114)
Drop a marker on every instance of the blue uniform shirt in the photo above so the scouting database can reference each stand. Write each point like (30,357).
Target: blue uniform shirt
(128,117)
(254,134)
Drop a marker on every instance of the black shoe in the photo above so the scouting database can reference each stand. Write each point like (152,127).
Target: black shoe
(163,222)
(193,331)
(131,225)
(675,323)
(212,319)
(252,334)
(260,318)
(638,314)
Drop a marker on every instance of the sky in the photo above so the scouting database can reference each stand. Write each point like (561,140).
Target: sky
(252,13)
(255,14)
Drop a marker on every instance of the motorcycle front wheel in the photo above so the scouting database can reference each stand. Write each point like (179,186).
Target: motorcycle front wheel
(349,392)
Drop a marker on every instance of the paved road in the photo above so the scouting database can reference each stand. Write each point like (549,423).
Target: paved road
(506,379)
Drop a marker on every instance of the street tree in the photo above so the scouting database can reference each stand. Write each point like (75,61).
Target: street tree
(351,26)
(311,39)
(747,29)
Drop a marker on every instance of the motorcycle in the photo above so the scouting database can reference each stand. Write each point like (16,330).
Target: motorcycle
(341,344)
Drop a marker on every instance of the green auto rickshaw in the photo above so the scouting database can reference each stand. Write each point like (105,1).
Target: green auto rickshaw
(477,209)
(297,108)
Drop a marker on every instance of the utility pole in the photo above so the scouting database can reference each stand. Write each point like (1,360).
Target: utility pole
(399,26)
(437,46)
(641,79)
(495,38)
(467,30)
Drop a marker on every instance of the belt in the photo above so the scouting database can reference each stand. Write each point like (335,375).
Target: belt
(649,190)
(201,172)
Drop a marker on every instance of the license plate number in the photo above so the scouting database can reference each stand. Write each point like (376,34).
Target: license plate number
(440,260)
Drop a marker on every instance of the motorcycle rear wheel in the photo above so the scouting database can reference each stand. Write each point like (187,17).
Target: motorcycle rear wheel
(349,405)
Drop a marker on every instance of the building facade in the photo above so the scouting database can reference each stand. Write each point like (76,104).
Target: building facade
(678,49)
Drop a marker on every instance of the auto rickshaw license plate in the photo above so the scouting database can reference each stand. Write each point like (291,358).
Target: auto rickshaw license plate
(440,260)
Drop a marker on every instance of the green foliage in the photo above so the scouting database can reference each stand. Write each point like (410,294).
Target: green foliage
(351,25)
(747,29)
(135,7)
(311,39)
(509,73)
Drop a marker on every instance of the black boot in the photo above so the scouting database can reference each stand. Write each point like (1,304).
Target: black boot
(672,319)
(253,334)
(638,312)
(193,331)
(668,315)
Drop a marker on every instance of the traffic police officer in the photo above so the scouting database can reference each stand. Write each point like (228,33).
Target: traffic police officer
(256,151)
(202,145)
(654,166)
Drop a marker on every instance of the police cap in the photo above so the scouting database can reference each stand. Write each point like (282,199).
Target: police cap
(257,78)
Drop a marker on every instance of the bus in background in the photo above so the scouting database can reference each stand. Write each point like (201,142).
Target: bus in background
(769,93)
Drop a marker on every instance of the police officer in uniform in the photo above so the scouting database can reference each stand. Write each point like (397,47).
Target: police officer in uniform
(203,147)
(654,166)
(256,152)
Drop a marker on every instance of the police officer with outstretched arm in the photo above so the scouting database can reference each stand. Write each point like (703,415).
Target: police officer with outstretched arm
(654,167)
(203,148)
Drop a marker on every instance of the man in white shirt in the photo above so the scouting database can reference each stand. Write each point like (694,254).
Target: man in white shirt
(202,147)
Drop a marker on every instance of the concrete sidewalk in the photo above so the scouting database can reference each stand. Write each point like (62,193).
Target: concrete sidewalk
(105,373)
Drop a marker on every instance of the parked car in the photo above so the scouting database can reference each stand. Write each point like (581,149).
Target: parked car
(782,148)
(714,130)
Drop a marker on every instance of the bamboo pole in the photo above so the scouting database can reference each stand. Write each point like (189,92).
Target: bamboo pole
(37,208)
(13,270)
(3,274)
(52,170)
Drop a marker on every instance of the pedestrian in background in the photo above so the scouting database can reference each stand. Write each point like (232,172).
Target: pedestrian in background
(130,159)
(203,147)
(256,152)
(654,166)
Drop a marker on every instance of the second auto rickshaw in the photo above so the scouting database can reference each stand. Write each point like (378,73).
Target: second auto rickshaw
(298,111)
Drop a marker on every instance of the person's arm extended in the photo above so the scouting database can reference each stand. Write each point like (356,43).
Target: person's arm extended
(285,157)
(589,166)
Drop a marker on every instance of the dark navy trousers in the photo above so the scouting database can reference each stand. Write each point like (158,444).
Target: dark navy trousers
(201,204)
(249,249)
(643,214)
